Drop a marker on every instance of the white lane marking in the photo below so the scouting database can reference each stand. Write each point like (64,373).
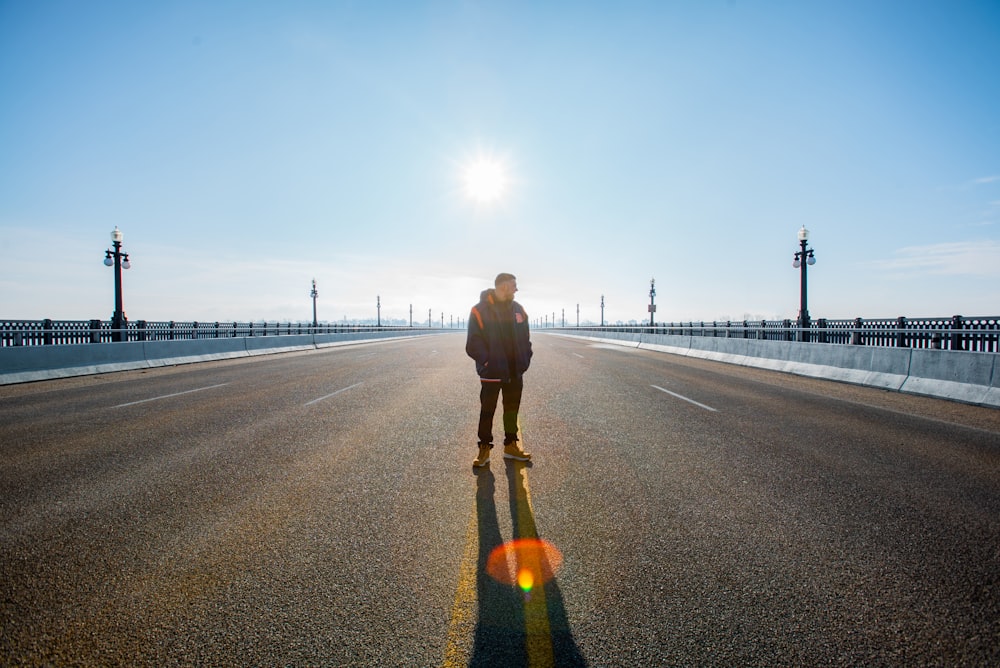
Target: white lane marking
(332,394)
(167,396)
(680,396)
(578,355)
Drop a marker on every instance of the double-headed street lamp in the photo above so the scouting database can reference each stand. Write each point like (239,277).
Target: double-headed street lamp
(803,258)
(120,261)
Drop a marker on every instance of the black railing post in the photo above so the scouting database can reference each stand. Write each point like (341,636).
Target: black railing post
(789,334)
(901,332)
(821,330)
(856,334)
(956,333)
(140,326)
(47,332)
(95,331)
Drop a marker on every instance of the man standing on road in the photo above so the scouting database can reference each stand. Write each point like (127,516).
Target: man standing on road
(500,344)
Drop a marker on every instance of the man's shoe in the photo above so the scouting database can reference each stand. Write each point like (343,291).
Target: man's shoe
(513,451)
(484,456)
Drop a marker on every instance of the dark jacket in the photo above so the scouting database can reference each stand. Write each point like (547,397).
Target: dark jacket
(496,329)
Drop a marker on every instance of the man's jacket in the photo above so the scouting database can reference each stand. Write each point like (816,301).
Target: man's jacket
(494,329)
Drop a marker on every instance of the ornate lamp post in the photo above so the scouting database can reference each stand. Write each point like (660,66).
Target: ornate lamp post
(314,294)
(803,258)
(652,306)
(120,261)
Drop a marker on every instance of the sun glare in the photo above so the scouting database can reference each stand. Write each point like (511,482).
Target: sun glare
(485,180)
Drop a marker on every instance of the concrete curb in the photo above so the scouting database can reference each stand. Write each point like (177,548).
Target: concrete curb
(967,377)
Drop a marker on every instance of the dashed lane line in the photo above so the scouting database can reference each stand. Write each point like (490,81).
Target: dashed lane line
(681,396)
(168,396)
(332,394)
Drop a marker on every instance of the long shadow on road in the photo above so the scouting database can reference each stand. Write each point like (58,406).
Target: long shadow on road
(517,625)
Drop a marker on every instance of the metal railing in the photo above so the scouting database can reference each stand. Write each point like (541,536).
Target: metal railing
(61,332)
(979,334)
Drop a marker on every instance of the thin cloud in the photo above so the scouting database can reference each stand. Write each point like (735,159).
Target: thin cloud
(986,179)
(963,258)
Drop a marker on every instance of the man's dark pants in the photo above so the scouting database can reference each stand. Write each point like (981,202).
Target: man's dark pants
(511,402)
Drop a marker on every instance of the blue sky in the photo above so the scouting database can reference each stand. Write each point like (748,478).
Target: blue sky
(245,148)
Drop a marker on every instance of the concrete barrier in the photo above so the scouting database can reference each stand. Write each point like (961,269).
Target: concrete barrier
(962,376)
(993,394)
(31,363)
(171,353)
(267,345)
(969,377)
(23,364)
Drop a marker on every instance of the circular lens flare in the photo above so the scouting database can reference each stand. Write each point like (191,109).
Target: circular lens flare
(525,563)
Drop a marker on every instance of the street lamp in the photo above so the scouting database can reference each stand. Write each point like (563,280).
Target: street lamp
(803,258)
(314,294)
(378,305)
(120,261)
(602,310)
(652,306)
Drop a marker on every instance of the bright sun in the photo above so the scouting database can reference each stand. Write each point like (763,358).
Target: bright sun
(485,180)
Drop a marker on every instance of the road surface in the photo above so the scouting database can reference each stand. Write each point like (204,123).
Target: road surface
(320,508)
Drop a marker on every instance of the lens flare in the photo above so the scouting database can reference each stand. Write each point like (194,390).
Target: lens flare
(525,563)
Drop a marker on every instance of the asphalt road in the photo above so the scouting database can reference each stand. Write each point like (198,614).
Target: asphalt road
(321,509)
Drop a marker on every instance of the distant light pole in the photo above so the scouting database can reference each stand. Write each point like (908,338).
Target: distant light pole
(314,294)
(378,307)
(803,258)
(428,318)
(411,315)
(652,306)
(120,261)
(578,315)
(602,310)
